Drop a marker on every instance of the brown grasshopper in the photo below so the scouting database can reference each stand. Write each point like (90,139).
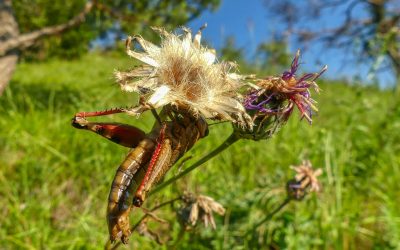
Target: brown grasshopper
(151,156)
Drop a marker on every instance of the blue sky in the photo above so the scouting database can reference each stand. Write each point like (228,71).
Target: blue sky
(247,21)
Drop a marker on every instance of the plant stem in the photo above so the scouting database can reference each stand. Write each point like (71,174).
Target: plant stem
(270,215)
(229,141)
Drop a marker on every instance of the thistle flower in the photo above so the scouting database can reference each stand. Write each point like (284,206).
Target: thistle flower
(286,88)
(184,74)
(199,207)
(274,98)
(305,180)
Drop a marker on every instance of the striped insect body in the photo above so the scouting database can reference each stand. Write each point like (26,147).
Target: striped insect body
(151,156)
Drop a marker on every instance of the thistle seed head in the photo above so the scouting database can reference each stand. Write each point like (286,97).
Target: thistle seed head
(182,73)
(306,180)
(199,207)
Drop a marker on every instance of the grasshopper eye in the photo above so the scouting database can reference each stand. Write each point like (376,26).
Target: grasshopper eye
(76,122)
(137,202)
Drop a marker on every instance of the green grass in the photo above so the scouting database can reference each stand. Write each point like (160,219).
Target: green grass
(55,179)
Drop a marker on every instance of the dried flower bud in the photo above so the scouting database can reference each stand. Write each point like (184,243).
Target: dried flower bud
(199,207)
(274,98)
(304,181)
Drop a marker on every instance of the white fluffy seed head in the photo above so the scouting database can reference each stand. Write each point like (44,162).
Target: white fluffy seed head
(183,73)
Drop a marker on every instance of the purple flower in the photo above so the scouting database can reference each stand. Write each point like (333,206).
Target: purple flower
(279,95)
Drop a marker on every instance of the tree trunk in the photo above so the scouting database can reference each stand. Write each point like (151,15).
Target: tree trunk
(8,30)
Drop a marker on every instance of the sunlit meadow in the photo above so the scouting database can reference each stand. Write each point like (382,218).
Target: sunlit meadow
(55,179)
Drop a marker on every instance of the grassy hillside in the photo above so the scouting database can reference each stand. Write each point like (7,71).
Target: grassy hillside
(55,179)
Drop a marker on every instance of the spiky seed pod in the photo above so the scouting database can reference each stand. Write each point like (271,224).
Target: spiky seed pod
(183,73)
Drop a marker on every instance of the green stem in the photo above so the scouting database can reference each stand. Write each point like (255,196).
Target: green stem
(229,141)
(270,215)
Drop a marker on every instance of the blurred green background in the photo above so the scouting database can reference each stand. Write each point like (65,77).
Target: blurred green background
(55,180)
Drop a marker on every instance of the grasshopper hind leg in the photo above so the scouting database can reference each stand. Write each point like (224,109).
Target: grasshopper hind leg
(122,134)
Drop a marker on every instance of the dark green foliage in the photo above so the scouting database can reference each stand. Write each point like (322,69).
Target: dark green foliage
(120,17)
(33,15)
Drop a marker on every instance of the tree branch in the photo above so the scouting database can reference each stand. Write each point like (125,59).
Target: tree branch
(26,40)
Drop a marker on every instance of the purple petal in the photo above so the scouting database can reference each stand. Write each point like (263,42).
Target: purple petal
(295,63)
(287,75)
(306,77)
